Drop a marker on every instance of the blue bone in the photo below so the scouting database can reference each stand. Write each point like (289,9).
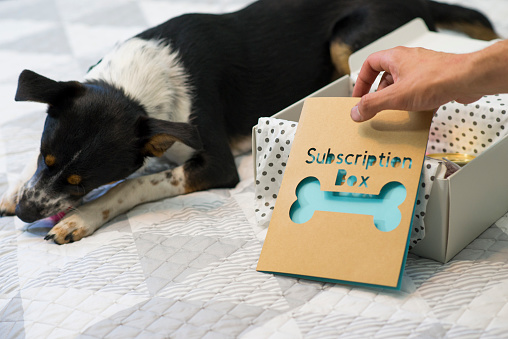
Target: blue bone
(383,207)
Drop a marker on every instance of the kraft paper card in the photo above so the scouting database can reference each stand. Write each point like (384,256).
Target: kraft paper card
(344,209)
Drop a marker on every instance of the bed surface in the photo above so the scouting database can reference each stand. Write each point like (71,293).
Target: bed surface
(185,267)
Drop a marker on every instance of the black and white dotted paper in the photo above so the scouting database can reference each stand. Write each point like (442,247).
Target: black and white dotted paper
(274,138)
(429,173)
(470,129)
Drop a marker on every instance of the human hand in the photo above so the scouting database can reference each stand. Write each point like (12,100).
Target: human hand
(415,79)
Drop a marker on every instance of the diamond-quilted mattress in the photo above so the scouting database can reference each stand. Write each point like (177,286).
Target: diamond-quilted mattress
(185,267)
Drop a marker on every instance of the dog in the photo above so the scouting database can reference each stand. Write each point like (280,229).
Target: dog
(188,92)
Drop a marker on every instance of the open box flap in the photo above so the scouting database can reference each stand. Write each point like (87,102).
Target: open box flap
(475,193)
(370,227)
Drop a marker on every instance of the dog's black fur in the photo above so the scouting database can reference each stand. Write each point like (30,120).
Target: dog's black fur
(239,66)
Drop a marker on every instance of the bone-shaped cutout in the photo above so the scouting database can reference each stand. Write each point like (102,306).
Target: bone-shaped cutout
(383,207)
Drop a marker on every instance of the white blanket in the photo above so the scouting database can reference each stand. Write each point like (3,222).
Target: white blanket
(185,267)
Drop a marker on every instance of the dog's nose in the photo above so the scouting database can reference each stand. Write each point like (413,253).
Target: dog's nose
(28,211)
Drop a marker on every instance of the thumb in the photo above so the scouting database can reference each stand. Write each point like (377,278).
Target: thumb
(372,103)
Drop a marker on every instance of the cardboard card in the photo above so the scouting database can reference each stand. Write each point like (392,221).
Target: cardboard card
(344,209)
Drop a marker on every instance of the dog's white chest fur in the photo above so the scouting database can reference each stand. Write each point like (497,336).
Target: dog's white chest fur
(150,72)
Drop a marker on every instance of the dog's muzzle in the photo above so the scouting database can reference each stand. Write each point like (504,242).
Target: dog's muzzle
(29,211)
(34,205)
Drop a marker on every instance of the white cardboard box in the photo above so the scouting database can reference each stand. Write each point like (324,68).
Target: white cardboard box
(465,204)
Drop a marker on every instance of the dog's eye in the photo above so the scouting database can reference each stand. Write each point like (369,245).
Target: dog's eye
(49,160)
(75,185)
(74,179)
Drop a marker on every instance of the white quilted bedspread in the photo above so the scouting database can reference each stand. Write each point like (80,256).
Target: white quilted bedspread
(185,267)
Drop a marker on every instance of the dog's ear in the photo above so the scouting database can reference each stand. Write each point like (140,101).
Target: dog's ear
(35,87)
(160,135)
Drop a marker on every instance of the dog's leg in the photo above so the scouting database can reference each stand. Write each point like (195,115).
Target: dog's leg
(474,30)
(10,198)
(339,53)
(187,178)
(462,19)
(86,219)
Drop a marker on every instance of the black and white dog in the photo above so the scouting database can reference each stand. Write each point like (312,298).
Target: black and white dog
(189,91)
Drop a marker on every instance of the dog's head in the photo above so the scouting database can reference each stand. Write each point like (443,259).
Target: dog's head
(93,135)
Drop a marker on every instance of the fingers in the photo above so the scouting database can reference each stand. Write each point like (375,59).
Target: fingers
(414,79)
(373,65)
(386,80)
(365,79)
(373,103)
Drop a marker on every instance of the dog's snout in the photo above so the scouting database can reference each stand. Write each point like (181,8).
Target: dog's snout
(28,211)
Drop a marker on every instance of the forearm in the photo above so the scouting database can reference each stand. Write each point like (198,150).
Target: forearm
(489,70)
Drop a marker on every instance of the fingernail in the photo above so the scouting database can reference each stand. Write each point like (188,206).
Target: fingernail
(355,114)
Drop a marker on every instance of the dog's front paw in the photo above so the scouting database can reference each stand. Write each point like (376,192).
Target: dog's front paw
(8,203)
(69,229)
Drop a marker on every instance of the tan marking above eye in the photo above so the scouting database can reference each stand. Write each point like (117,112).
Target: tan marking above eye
(74,179)
(50,160)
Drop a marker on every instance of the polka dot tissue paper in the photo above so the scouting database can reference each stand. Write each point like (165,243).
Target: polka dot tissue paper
(470,128)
